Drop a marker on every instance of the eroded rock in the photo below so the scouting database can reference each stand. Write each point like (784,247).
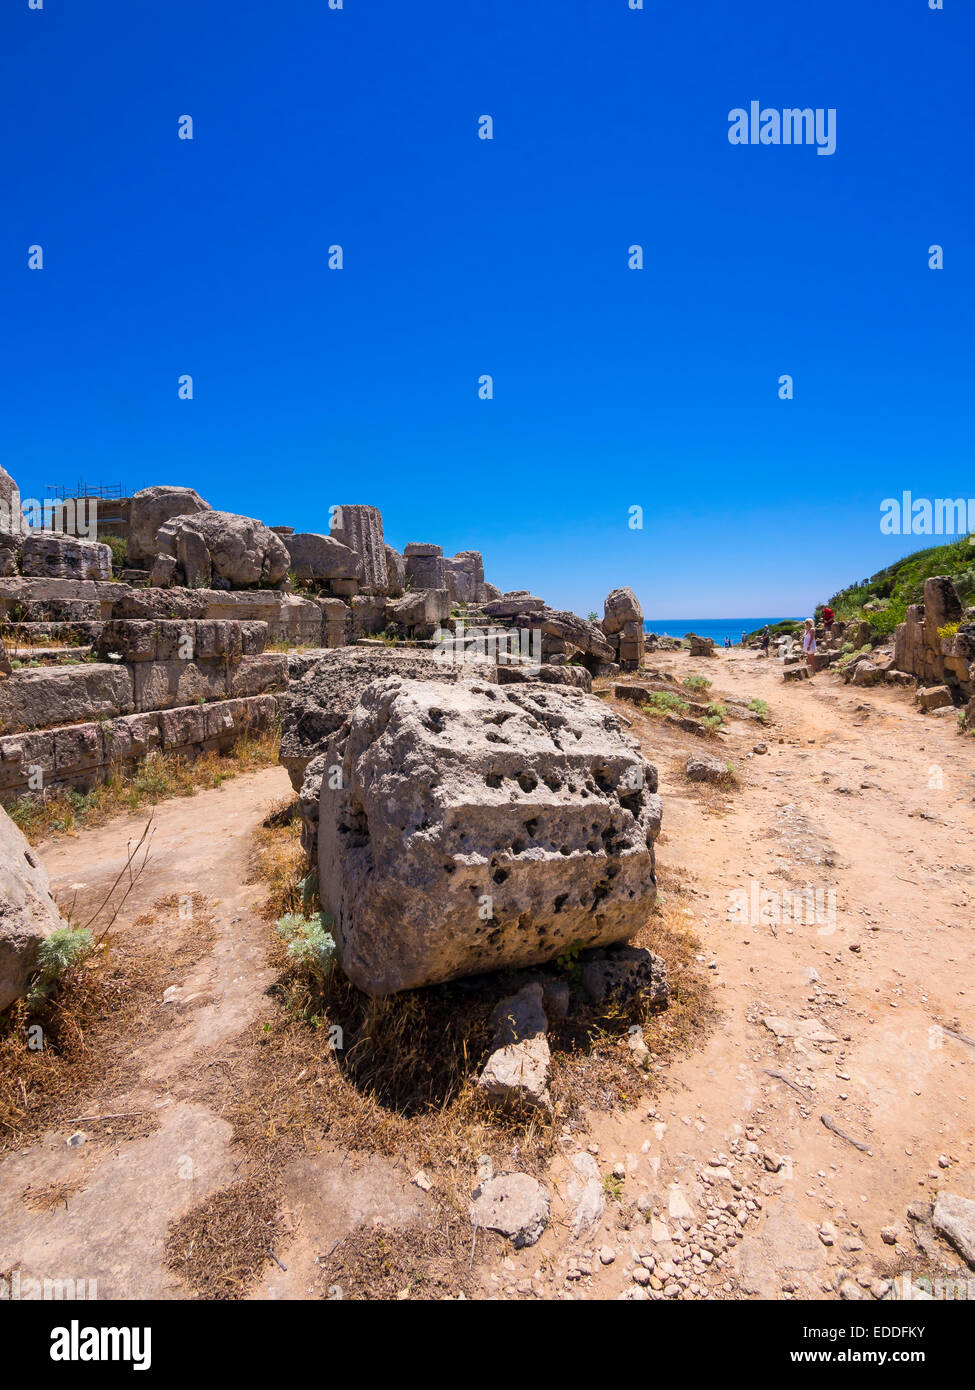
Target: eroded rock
(515,1205)
(150,508)
(481,828)
(624,974)
(28,912)
(219,549)
(516,1073)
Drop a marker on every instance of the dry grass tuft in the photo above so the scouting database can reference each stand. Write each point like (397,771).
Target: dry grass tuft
(428,1262)
(222,1245)
(278,862)
(72,1055)
(156,777)
(55,1194)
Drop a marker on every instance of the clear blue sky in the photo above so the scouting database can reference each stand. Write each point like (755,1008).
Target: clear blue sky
(613,387)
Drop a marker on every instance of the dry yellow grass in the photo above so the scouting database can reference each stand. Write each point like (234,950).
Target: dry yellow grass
(148,782)
(73,1053)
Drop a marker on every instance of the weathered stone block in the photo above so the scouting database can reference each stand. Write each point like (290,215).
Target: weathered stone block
(257,675)
(39,699)
(326,686)
(51,556)
(480,828)
(131,738)
(321,558)
(360,528)
(27,911)
(23,756)
(420,609)
(934,697)
(149,508)
(621,608)
(77,749)
(182,726)
(368,615)
(395,573)
(165,684)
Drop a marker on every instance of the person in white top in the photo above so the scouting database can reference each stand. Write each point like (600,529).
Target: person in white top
(809,646)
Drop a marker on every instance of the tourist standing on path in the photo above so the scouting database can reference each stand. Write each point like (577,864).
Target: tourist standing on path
(809,646)
(829,618)
(766,639)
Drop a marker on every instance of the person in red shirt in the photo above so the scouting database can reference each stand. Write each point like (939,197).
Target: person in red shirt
(829,618)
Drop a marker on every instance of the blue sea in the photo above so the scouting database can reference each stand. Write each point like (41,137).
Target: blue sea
(718,628)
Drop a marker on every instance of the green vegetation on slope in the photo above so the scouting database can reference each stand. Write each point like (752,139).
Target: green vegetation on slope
(883,599)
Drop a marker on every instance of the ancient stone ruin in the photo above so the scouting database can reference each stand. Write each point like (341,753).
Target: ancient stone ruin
(937,641)
(488,810)
(492,825)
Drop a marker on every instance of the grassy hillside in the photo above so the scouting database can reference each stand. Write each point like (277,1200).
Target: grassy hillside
(883,599)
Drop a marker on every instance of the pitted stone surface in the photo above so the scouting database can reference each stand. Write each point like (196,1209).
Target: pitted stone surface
(479,828)
(325,687)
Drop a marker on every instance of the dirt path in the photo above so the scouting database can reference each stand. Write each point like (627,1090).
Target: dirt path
(158,1154)
(861,797)
(728,1182)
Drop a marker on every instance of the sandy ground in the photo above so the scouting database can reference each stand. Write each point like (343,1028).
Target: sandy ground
(860,798)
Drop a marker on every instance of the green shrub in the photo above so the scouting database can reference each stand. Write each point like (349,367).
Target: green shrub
(119,548)
(310,946)
(56,955)
(760,708)
(697,682)
(665,702)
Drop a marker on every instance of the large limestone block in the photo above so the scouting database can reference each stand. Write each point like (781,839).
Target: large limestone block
(164,684)
(621,607)
(11,507)
(512,605)
(361,529)
(424,565)
(46,555)
(368,615)
(42,698)
(578,632)
(419,610)
(323,692)
(27,911)
(464,576)
(220,548)
(395,573)
(479,828)
(258,675)
(321,558)
(941,606)
(22,755)
(149,510)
